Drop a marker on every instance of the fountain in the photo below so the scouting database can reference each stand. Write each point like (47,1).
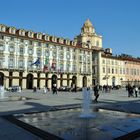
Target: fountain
(65,123)
(86,111)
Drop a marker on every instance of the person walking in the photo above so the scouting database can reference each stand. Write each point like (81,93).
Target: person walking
(54,89)
(96,92)
(136,91)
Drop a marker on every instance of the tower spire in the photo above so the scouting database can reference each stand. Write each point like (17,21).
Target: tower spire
(87,28)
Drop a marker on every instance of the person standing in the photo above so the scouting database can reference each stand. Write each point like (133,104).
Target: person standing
(44,90)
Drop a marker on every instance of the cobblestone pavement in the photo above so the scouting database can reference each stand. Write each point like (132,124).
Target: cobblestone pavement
(27,101)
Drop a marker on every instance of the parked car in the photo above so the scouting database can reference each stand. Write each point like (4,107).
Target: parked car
(77,89)
(117,87)
(14,89)
(64,88)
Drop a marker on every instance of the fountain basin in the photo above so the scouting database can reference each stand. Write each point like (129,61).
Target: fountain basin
(67,124)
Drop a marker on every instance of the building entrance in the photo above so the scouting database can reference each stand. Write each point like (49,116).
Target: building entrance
(29,84)
(1,79)
(84,81)
(54,80)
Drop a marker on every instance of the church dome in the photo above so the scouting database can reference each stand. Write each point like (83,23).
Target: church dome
(88,23)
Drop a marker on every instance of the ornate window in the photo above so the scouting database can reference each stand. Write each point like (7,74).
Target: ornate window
(84,58)
(21,51)
(61,56)
(120,70)
(74,57)
(108,70)
(30,34)
(112,70)
(68,55)
(123,70)
(54,54)
(1,37)
(30,51)
(11,49)
(29,63)
(39,43)
(30,42)
(12,30)
(47,53)
(61,48)
(61,67)
(74,68)
(103,69)
(1,62)
(1,47)
(89,69)
(47,45)
(38,52)
(21,64)
(80,58)
(11,63)
(12,38)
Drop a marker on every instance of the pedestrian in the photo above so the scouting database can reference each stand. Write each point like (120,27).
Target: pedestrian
(34,89)
(45,90)
(129,90)
(75,88)
(96,92)
(139,89)
(19,89)
(54,89)
(136,91)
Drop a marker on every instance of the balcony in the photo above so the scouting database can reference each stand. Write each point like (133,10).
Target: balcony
(11,53)
(1,52)
(34,68)
(22,68)
(11,67)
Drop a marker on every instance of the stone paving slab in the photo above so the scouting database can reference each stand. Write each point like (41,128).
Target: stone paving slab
(117,100)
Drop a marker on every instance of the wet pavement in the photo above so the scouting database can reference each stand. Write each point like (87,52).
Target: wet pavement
(69,126)
(116,100)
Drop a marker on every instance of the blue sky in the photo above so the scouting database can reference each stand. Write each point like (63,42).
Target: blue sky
(118,21)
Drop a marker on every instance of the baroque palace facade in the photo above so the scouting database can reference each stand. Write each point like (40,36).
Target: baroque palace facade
(31,59)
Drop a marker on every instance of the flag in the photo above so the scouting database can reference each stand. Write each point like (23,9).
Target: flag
(37,62)
(46,61)
(45,69)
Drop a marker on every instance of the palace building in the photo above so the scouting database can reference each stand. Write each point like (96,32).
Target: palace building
(30,59)
(120,70)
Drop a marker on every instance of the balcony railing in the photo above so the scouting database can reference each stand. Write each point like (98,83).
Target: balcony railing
(21,68)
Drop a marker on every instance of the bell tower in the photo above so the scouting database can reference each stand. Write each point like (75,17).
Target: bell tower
(88,37)
(88,28)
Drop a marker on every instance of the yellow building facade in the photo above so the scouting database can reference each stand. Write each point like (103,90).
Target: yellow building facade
(30,59)
(60,60)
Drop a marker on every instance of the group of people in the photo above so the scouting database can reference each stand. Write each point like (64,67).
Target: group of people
(132,90)
(95,88)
